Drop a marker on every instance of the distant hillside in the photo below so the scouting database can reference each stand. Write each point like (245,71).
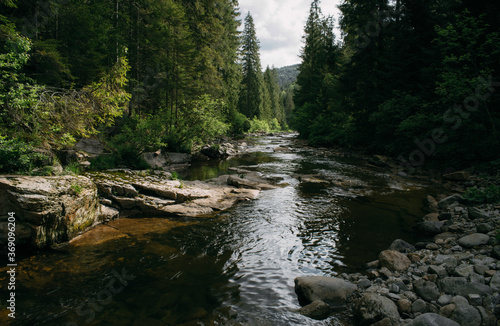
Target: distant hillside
(287,75)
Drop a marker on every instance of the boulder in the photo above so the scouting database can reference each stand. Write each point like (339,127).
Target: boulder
(460,286)
(316,310)
(373,308)
(472,240)
(446,202)
(465,314)
(53,209)
(428,228)
(401,246)
(394,260)
(495,282)
(432,319)
(426,290)
(331,290)
(476,213)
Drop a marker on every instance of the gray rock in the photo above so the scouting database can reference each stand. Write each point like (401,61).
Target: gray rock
(426,290)
(419,306)
(486,316)
(316,310)
(428,228)
(401,246)
(484,228)
(474,299)
(331,290)
(445,203)
(495,282)
(440,271)
(465,314)
(472,240)
(495,252)
(444,300)
(432,319)
(463,270)
(460,286)
(476,213)
(373,308)
(457,176)
(481,269)
(364,283)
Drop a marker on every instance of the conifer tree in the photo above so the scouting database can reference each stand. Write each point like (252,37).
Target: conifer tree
(251,93)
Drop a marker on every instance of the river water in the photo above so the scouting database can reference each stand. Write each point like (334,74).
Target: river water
(236,268)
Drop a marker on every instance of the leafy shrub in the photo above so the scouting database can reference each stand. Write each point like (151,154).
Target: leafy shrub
(18,156)
(490,194)
(240,124)
(257,125)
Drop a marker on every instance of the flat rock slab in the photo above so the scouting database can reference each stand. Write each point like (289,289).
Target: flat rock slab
(331,290)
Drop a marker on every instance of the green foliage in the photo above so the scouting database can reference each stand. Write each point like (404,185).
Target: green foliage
(257,125)
(240,123)
(17,156)
(77,188)
(174,175)
(490,194)
(73,167)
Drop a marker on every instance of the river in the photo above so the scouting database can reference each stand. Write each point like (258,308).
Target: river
(238,267)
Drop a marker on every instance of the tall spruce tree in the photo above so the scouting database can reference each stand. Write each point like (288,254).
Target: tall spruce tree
(251,92)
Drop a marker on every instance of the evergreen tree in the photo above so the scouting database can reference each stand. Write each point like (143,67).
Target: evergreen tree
(276,110)
(251,92)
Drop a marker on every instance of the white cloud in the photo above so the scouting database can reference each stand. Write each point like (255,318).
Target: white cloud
(280,25)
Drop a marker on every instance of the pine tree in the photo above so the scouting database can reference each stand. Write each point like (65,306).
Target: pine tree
(251,93)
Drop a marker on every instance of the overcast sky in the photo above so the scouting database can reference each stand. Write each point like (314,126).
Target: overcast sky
(280,26)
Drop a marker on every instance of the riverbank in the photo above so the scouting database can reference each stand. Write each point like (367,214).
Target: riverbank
(450,277)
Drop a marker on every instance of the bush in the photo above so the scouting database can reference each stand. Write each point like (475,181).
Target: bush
(240,124)
(18,156)
(490,194)
(257,125)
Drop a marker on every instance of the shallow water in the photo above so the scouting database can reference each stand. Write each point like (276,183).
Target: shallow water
(236,268)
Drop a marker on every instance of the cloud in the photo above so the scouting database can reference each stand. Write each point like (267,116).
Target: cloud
(280,25)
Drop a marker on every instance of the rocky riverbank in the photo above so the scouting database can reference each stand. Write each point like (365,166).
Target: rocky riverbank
(452,277)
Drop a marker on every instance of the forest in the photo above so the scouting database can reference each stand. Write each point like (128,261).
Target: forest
(416,80)
(139,75)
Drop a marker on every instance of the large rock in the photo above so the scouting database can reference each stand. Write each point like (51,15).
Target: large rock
(495,282)
(457,176)
(373,308)
(476,213)
(472,240)
(333,291)
(428,228)
(465,314)
(426,290)
(460,286)
(448,201)
(432,319)
(394,260)
(53,209)
(401,246)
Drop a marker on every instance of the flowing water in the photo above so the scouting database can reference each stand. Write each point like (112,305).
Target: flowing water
(236,268)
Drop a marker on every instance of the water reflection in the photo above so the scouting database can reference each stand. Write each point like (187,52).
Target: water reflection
(237,268)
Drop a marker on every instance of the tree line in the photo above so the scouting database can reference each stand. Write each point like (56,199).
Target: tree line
(139,74)
(418,80)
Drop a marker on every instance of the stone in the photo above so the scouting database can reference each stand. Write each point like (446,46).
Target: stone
(473,240)
(440,271)
(394,260)
(431,204)
(373,308)
(476,213)
(444,300)
(404,306)
(94,147)
(463,270)
(316,310)
(432,319)
(401,246)
(426,290)
(457,176)
(460,286)
(487,317)
(465,314)
(331,290)
(474,299)
(364,283)
(447,310)
(54,209)
(484,228)
(431,217)
(428,228)
(108,213)
(419,306)
(495,282)
(495,252)
(446,202)
(481,269)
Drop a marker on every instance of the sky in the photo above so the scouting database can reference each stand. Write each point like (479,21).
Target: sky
(280,26)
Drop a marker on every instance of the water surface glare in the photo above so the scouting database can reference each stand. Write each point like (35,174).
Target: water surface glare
(238,267)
